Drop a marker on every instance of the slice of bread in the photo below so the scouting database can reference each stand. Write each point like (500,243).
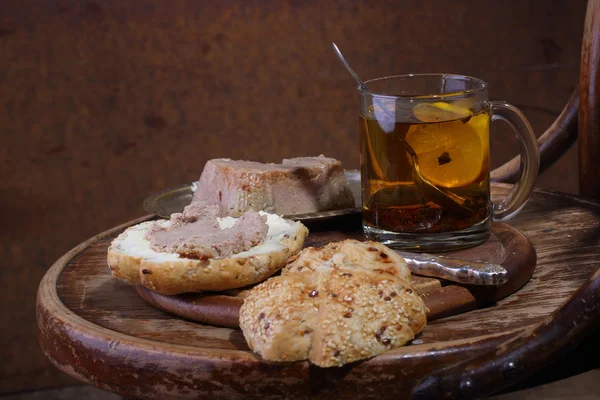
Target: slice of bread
(132,260)
(335,305)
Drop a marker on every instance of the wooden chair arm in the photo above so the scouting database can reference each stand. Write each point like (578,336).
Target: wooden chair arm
(522,355)
(589,111)
(553,144)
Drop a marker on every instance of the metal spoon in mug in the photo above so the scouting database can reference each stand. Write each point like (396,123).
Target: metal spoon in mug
(427,190)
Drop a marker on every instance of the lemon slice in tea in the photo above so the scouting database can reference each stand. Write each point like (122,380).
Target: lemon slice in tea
(439,111)
(451,154)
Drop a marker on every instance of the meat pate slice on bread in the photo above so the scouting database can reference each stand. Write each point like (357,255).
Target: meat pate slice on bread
(132,259)
(342,303)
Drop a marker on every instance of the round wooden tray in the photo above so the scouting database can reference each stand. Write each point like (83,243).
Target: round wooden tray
(506,246)
(99,330)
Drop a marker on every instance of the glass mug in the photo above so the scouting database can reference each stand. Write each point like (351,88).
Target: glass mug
(425,170)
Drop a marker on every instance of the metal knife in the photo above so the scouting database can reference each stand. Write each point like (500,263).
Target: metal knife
(461,271)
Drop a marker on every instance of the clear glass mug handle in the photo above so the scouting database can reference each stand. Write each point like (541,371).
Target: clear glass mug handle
(530,160)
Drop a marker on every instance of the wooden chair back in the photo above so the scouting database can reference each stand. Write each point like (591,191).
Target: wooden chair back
(580,118)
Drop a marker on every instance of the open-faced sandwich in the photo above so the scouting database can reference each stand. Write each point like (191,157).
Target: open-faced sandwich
(196,250)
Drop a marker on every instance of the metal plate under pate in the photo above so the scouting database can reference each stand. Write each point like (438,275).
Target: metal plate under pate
(175,199)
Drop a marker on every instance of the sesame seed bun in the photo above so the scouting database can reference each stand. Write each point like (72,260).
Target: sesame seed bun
(342,303)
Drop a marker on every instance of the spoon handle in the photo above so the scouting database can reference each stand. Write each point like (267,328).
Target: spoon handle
(461,271)
(338,53)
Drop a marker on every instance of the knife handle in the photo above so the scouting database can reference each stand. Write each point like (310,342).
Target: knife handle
(461,271)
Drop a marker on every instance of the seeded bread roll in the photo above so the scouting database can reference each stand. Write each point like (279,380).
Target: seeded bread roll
(368,255)
(332,306)
(281,316)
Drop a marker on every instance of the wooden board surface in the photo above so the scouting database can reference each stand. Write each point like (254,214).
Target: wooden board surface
(99,330)
(506,246)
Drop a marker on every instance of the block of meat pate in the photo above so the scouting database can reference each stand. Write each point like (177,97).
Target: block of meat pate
(296,186)
(196,250)
(345,302)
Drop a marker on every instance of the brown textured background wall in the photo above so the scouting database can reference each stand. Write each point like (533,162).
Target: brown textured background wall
(105,102)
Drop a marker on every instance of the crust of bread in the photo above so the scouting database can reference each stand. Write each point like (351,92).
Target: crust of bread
(351,254)
(124,267)
(342,310)
(278,316)
(351,328)
(191,275)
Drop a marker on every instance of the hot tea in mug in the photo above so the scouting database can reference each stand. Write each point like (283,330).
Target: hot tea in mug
(425,168)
